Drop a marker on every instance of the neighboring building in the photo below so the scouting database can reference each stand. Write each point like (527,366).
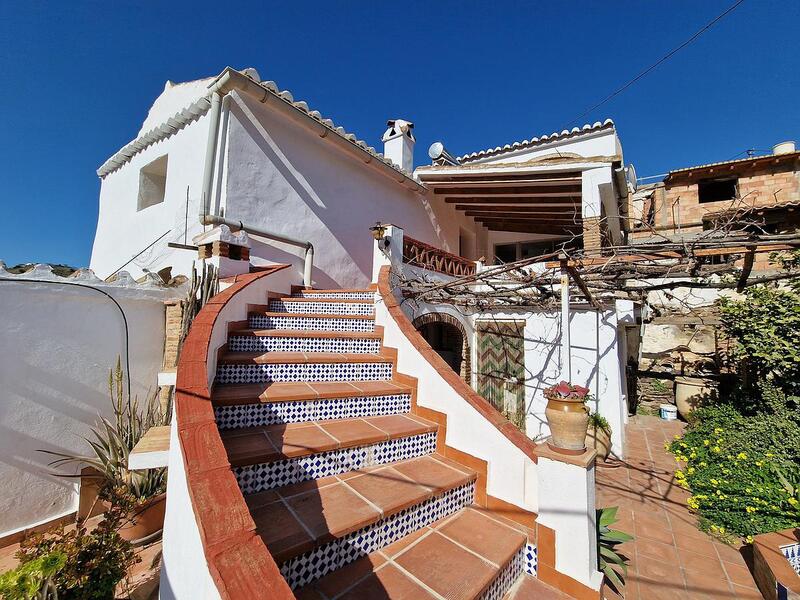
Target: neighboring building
(693,199)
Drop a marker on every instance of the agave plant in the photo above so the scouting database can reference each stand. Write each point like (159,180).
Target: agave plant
(610,562)
(112,442)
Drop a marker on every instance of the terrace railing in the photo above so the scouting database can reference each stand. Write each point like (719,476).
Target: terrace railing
(420,254)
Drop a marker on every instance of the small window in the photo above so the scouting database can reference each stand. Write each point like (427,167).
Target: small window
(152,183)
(717,190)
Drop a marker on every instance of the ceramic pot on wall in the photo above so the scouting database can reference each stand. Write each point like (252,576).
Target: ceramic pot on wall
(568,419)
(690,392)
(598,439)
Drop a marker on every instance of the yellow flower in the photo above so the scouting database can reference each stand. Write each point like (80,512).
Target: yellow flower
(703,463)
(742,456)
(751,509)
(693,454)
(706,442)
(769,455)
(793,501)
(717,449)
(718,430)
(749,539)
(690,470)
(759,463)
(714,482)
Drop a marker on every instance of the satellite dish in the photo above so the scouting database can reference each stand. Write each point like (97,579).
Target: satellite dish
(630,177)
(437,152)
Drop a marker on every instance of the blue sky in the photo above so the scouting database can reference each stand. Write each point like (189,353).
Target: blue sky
(80,76)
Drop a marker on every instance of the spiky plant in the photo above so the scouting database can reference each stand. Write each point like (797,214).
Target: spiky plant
(611,562)
(112,442)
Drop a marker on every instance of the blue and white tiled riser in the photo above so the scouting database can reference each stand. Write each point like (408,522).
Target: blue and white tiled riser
(274,413)
(250,373)
(531,559)
(792,554)
(267,476)
(255,343)
(506,578)
(322,308)
(312,565)
(311,323)
(337,295)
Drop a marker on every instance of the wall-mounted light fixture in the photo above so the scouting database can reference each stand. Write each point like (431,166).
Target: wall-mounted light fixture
(379,233)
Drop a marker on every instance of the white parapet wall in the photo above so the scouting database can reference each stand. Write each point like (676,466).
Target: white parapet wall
(58,342)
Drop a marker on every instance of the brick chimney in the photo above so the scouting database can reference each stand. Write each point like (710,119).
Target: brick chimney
(398,143)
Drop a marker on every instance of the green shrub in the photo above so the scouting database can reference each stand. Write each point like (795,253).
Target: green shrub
(728,463)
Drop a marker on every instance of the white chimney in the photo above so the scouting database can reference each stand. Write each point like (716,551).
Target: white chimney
(398,143)
(783,148)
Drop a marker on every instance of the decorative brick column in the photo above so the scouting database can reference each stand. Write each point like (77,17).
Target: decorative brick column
(592,235)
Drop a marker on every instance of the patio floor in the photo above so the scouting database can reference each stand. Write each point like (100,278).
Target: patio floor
(670,558)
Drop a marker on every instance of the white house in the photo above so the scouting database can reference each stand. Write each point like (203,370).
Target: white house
(235,152)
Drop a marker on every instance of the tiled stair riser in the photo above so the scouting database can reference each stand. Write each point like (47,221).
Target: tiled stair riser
(312,565)
(267,476)
(336,295)
(506,578)
(275,413)
(792,554)
(254,373)
(310,323)
(324,308)
(255,343)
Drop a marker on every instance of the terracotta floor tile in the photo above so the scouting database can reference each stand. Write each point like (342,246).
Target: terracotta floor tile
(353,432)
(529,588)
(696,545)
(750,593)
(387,582)
(286,391)
(332,389)
(301,441)
(729,553)
(667,589)
(493,541)
(432,473)
(652,568)
(739,574)
(692,561)
(281,532)
(699,585)
(446,568)
(331,512)
(395,548)
(389,490)
(249,448)
(400,425)
(341,579)
(658,533)
(657,550)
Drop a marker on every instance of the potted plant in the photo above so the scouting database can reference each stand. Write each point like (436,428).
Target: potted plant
(567,415)
(598,435)
(111,444)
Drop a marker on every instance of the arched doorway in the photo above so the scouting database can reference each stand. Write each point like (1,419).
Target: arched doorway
(447,336)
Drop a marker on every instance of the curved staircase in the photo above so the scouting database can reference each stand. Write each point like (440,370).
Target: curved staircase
(340,473)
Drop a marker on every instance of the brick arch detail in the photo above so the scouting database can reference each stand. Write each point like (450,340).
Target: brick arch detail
(466,354)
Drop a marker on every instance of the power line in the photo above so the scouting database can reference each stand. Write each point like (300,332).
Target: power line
(664,58)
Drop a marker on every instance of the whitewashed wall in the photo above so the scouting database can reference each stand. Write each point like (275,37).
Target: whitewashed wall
(285,178)
(123,231)
(57,345)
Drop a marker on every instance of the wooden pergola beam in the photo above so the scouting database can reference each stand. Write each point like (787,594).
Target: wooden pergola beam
(551,229)
(530,192)
(521,208)
(545,201)
(456,183)
(576,277)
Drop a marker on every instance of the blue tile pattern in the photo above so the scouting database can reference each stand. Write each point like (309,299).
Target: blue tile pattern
(267,476)
(322,308)
(792,554)
(254,373)
(255,343)
(366,295)
(320,561)
(531,559)
(506,578)
(310,323)
(274,413)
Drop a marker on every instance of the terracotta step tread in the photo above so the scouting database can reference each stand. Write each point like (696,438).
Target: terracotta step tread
(309,333)
(281,358)
(329,300)
(268,443)
(456,557)
(263,313)
(296,518)
(252,393)
(530,588)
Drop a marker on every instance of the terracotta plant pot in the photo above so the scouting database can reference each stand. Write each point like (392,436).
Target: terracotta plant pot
(89,504)
(146,521)
(690,392)
(598,439)
(568,419)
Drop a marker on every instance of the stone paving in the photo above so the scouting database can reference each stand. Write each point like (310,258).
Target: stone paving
(670,558)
